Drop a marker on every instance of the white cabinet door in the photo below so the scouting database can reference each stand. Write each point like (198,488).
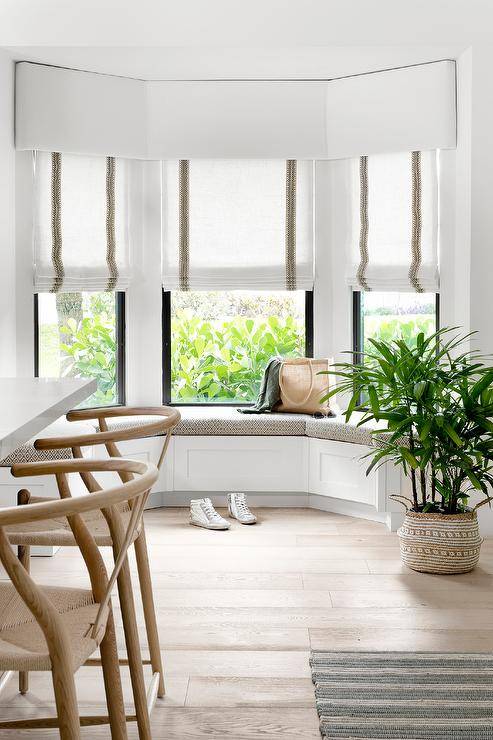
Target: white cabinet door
(336,470)
(240,463)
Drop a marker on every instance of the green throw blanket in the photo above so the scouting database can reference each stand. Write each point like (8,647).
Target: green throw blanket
(269,393)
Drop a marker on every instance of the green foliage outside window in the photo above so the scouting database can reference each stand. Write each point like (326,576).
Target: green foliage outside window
(387,328)
(224,360)
(82,342)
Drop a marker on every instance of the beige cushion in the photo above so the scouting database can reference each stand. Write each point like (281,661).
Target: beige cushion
(337,429)
(60,428)
(228,421)
(57,533)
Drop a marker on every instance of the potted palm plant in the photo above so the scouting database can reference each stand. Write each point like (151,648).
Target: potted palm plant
(435,403)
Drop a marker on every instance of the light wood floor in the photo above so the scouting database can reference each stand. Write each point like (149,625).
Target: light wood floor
(239,610)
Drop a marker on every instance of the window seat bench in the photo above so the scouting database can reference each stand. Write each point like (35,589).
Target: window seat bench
(278,459)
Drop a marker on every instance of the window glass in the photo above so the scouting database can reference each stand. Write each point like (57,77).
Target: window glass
(77,337)
(221,342)
(390,316)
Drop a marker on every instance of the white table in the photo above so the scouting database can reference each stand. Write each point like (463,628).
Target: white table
(29,405)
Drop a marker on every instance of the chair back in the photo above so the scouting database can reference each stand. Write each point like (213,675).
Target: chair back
(166,420)
(133,493)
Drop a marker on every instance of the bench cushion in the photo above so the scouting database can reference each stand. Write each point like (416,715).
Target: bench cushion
(59,428)
(228,421)
(337,429)
(225,421)
(217,421)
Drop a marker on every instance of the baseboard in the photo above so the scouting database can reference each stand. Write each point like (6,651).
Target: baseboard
(259,499)
(256,499)
(346,508)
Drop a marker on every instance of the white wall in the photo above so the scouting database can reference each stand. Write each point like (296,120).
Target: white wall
(482,196)
(7,217)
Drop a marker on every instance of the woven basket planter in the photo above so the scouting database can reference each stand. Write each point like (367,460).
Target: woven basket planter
(440,543)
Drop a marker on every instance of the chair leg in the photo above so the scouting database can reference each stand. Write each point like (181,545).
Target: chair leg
(144,572)
(24,555)
(134,654)
(66,700)
(113,683)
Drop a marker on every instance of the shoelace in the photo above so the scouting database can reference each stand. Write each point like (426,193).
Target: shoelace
(242,506)
(210,511)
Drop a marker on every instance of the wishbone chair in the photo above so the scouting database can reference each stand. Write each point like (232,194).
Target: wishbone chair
(57,629)
(163,421)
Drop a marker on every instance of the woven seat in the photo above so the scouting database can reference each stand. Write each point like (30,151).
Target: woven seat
(22,643)
(57,532)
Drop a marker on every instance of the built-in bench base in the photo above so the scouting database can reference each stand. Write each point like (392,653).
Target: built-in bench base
(278,459)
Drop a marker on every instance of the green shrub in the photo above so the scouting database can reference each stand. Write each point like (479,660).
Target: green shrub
(406,327)
(90,352)
(223,360)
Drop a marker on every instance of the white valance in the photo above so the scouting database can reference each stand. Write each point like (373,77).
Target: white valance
(393,228)
(63,110)
(237,224)
(81,234)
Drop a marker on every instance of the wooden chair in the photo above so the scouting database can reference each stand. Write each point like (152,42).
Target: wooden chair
(56,533)
(58,629)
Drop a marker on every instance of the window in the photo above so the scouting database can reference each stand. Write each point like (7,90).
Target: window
(217,344)
(81,335)
(382,315)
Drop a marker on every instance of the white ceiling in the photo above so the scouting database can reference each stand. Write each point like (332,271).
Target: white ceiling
(215,39)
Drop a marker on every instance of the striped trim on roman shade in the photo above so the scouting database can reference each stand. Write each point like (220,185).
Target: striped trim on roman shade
(81,234)
(393,234)
(237,224)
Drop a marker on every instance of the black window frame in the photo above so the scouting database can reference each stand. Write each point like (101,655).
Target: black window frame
(120,333)
(166,344)
(358,323)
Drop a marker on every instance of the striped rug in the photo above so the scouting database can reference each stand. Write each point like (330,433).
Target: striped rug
(404,696)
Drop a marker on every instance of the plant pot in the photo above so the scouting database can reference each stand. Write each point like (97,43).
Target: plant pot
(440,543)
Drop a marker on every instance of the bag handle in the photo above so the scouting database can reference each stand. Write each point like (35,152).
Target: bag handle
(281,386)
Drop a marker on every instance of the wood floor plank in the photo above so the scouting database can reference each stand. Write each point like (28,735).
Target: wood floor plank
(239,663)
(385,638)
(236,723)
(464,583)
(231,598)
(440,599)
(227,637)
(276,553)
(254,692)
(348,541)
(200,623)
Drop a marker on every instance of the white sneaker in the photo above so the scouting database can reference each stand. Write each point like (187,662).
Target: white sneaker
(203,514)
(238,509)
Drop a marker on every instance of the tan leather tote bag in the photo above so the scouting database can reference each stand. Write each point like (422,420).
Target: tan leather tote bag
(302,388)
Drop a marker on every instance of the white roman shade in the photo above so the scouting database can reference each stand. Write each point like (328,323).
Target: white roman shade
(237,224)
(393,226)
(81,234)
